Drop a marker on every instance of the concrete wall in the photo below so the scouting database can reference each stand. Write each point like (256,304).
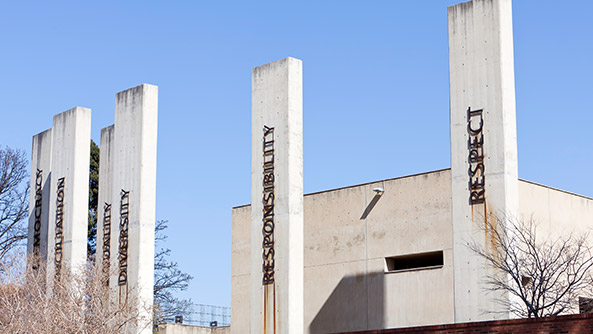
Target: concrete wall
(241,269)
(37,240)
(346,287)
(277,197)
(188,329)
(556,211)
(69,195)
(483,143)
(105,208)
(134,196)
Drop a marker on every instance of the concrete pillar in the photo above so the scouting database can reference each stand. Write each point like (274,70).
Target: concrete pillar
(483,144)
(105,201)
(133,195)
(69,196)
(277,198)
(39,201)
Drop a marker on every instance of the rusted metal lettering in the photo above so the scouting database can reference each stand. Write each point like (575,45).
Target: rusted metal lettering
(106,237)
(59,237)
(475,158)
(268,208)
(124,211)
(37,213)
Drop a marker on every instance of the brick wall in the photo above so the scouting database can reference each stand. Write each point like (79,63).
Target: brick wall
(571,324)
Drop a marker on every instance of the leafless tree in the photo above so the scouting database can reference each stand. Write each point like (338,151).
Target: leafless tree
(74,303)
(167,280)
(543,275)
(14,198)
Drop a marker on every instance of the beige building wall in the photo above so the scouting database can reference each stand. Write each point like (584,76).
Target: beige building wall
(555,211)
(346,285)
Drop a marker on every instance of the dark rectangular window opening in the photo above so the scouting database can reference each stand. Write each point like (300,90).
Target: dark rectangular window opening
(418,261)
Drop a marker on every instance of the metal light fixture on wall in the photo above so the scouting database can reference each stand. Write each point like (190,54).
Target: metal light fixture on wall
(378,193)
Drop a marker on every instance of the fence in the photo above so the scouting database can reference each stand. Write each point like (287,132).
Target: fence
(208,315)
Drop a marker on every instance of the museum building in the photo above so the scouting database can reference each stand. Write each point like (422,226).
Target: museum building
(393,268)
(391,253)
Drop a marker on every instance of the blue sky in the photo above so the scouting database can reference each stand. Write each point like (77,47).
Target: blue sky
(376,99)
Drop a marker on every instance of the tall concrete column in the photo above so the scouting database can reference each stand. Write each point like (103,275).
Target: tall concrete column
(277,198)
(39,198)
(483,144)
(69,196)
(133,196)
(105,201)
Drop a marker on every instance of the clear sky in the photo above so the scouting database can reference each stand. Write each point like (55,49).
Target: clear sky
(376,95)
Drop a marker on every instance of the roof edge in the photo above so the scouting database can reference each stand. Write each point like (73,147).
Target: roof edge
(362,184)
(552,188)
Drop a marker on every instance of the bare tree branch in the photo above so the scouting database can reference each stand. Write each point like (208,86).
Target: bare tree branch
(76,303)
(543,276)
(14,198)
(168,279)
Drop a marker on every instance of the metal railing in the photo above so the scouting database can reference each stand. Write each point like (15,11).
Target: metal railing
(209,315)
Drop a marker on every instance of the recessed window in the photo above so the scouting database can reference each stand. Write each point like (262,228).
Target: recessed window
(418,261)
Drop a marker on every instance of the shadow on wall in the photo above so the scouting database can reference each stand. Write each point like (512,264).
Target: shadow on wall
(357,303)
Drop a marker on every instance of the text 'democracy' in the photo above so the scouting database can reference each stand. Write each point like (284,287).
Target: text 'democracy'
(124,211)
(38,207)
(475,159)
(268,206)
(37,214)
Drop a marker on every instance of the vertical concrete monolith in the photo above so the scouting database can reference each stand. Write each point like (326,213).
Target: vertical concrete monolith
(69,195)
(483,145)
(39,198)
(133,198)
(277,198)
(105,201)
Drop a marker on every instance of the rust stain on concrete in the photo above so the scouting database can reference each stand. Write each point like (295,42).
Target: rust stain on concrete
(267,293)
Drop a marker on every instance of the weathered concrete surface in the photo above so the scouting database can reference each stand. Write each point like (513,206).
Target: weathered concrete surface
(345,286)
(556,212)
(277,102)
(134,192)
(105,203)
(481,77)
(240,270)
(69,195)
(188,329)
(37,238)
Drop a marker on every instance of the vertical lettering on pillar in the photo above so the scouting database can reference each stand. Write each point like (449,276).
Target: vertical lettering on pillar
(37,213)
(268,206)
(475,159)
(106,241)
(59,237)
(124,211)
